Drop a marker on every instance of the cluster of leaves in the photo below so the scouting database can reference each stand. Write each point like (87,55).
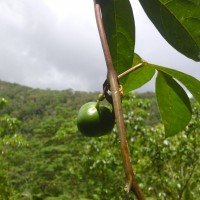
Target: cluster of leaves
(179,23)
(54,161)
(9,137)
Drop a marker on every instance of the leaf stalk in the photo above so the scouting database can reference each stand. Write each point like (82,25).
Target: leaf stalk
(132,69)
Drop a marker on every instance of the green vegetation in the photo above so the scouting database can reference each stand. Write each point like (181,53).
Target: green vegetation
(43,156)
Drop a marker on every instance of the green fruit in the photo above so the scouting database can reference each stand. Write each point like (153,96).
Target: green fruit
(94,120)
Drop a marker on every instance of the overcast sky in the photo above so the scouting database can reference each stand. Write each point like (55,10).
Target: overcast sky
(55,44)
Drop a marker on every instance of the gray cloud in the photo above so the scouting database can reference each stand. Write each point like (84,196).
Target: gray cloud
(41,50)
(55,44)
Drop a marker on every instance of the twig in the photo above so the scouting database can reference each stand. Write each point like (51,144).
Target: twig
(130,70)
(113,81)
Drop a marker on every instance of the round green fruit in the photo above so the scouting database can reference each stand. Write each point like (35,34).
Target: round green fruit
(95,120)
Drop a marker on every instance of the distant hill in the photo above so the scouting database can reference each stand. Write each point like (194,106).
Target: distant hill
(33,105)
(22,95)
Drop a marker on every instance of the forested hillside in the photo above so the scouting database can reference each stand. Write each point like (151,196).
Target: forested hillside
(43,156)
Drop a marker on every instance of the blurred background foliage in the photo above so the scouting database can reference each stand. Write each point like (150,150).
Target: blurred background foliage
(43,156)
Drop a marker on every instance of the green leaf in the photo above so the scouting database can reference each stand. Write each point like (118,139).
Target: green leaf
(120,32)
(3,102)
(138,77)
(173,103)
(191,83)
(178,21)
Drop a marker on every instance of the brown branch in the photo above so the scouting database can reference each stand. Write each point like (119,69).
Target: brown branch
(113,81)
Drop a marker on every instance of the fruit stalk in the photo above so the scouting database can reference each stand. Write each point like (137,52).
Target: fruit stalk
(113,81)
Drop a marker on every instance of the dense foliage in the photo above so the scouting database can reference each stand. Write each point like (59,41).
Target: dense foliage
(43,156)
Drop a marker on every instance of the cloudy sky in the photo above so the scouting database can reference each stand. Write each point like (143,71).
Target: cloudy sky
(55,44)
